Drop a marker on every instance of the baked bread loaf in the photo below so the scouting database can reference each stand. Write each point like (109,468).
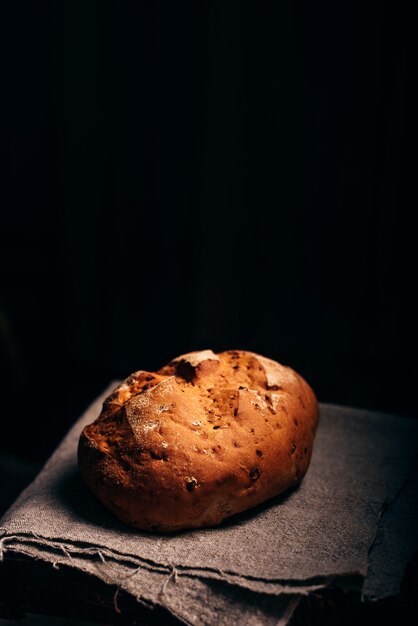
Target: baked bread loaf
(205,437)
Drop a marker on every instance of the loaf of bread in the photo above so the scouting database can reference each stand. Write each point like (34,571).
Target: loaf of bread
(205,437)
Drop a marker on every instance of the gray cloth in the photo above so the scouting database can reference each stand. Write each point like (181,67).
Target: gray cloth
(317,534)
(396,540)
(193,600)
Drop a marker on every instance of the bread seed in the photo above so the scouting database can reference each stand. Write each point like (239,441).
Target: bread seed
(191,484)
(254,474)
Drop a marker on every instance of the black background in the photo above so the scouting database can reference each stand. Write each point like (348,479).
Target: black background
(180,176)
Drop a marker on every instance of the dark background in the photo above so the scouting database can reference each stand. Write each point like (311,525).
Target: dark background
(179,176)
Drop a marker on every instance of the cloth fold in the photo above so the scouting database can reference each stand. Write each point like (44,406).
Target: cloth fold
(318,534)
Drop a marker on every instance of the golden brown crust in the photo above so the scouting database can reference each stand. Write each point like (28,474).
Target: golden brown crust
(203,438)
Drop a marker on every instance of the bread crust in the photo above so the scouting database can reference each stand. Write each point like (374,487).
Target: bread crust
(205,437)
